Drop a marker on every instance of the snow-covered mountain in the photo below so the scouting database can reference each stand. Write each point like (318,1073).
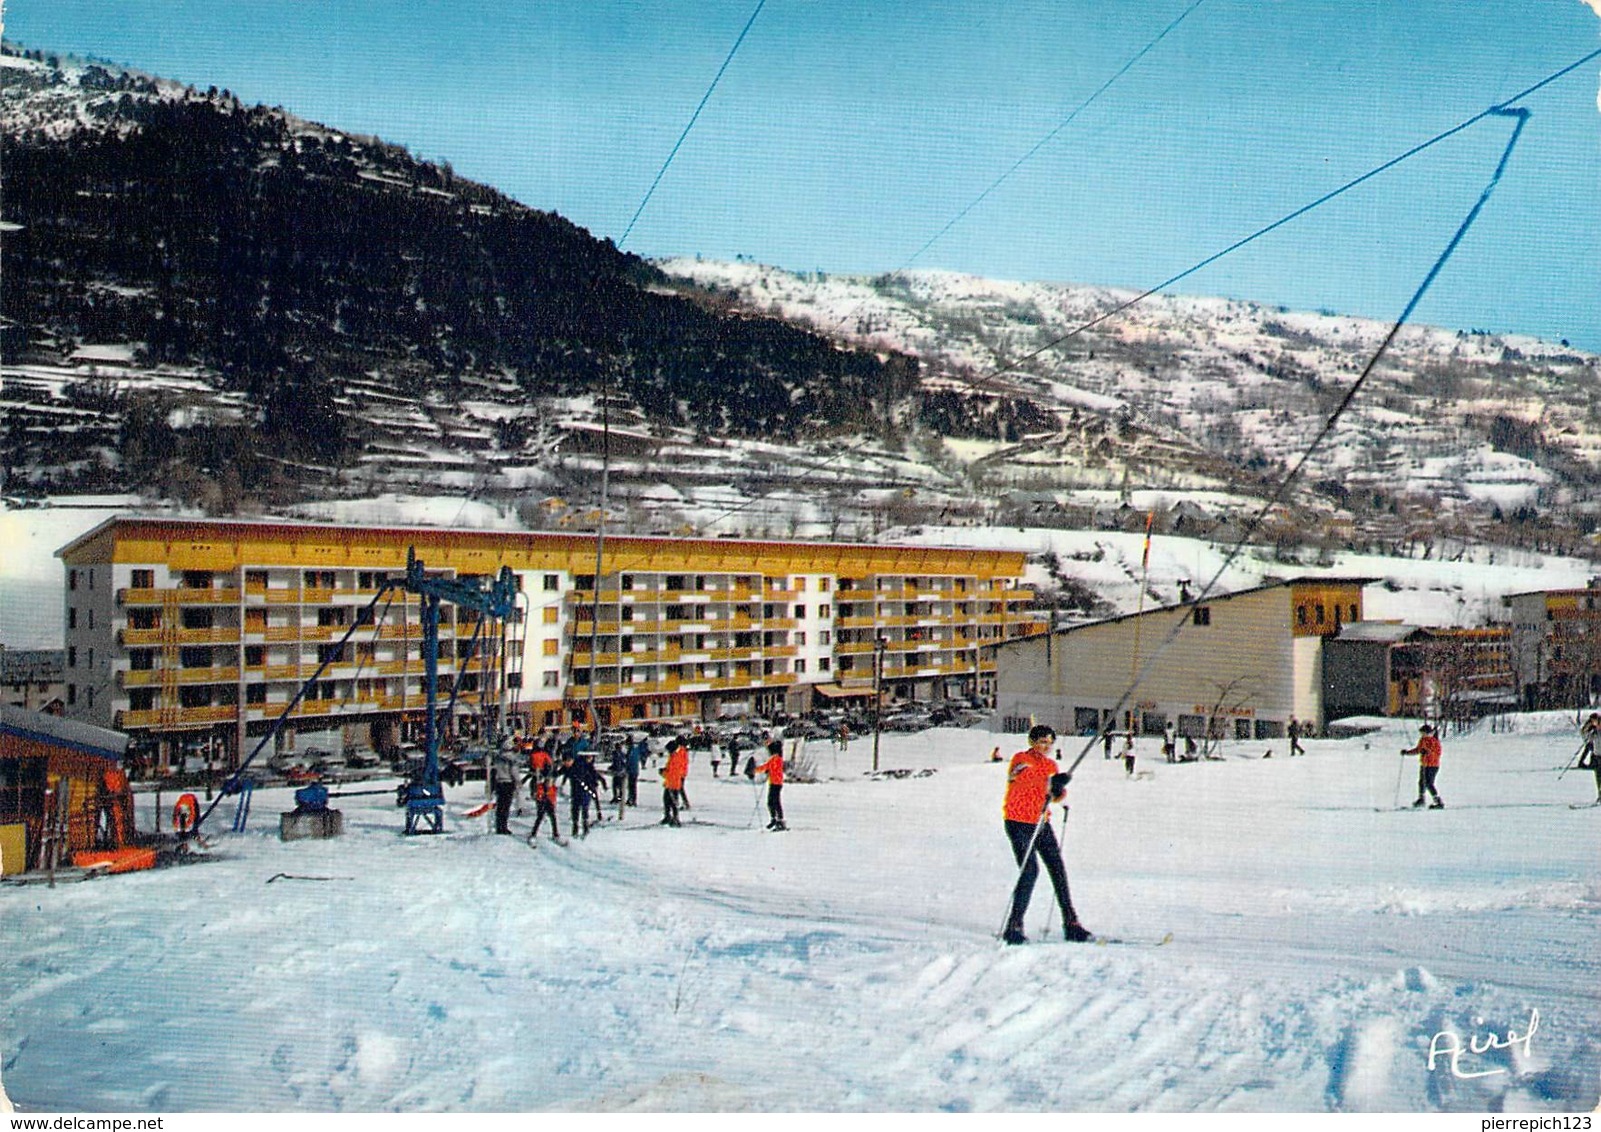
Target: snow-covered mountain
(724,397)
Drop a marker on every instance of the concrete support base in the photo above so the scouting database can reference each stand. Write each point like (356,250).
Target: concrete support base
(298,825)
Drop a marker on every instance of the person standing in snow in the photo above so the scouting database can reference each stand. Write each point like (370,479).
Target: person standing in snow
(773,768)
(1295,738)
(1128,752)
(1588,758)
(673,780)
(638,751)
(1033,782)
(1170,742)
(503,779)
(583,786)
(542,776)
(1428,752)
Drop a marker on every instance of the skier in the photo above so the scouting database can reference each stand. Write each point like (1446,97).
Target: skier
(773,768)
(1170,742)
(1295,738)
(1588,758)
(542,776)
(1032,783)
(1106,744)
(503,779)
(1128,752)
(1190,754)
(617,767)
(673,780)
(637,754)
(583,786)
(1428,752)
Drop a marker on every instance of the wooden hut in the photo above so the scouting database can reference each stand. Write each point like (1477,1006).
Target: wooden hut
(45,759)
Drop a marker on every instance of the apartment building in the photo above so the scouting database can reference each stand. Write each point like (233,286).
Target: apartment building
(1555,647)
(1238,665)
(200,634)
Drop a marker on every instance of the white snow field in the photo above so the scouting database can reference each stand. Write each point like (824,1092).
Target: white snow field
(1322,944)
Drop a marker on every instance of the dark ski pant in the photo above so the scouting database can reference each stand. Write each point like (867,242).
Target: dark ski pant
(1426,775)
(579,804)
(633,787)
(669,806)
(1045,849)
(544,809)
(505,792)
(775,804)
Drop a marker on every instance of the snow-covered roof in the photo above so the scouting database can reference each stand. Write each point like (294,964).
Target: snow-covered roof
(53,729)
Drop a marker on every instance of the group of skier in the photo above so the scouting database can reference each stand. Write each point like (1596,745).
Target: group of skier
(548,765)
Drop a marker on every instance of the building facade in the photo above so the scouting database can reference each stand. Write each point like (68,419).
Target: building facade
(1555,648)
(190,634)
(1238,665)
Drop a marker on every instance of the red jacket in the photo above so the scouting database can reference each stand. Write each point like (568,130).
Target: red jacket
(1427,750)
(1028,783)
(677,768)
(773,768)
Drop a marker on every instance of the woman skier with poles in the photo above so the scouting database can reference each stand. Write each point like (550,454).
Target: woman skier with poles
(1032,784)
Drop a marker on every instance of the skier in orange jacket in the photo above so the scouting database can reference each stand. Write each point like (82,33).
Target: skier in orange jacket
(773,768)
(1428,752)
(1033,782)
(673,780)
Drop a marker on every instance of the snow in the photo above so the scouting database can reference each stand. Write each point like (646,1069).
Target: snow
(1321,942)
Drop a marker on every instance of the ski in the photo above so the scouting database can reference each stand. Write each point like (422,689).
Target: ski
(1101,941)
(1584,805)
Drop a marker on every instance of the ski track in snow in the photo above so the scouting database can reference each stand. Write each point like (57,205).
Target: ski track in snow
(851,963)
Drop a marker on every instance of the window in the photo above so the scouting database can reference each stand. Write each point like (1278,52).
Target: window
(191,580)
(552,583)
(91,659)
(824,611)
(255,655)
(800,611)
(628,582)
(825,637)
(823,664)
(144,618)
(194,619)
(72,656)
(1353,611)
(1300,615)
(1320,613)
(550,646)
(72,693)
(800,638)
(255,693)
(800,667)
(90,693)
(800,585)
(141,660)
(72,617)
(1202,615)
(91,619)
(822,584)
(144,579)
(551,679)
(72,579)
(552,615)
(141,699)
(192,657)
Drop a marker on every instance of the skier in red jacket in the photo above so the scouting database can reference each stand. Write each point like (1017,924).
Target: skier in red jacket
(1428,753)
(773,768)
(1032,784)
(673,780)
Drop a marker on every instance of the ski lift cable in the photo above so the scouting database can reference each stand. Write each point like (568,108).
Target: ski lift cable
(981,382)
(660,173)
(1522,117)
(1039,145)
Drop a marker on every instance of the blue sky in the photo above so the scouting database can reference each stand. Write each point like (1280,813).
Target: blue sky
(845,134)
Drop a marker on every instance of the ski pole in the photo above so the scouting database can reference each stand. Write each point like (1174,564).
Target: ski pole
(1400,771)
(1572,762)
